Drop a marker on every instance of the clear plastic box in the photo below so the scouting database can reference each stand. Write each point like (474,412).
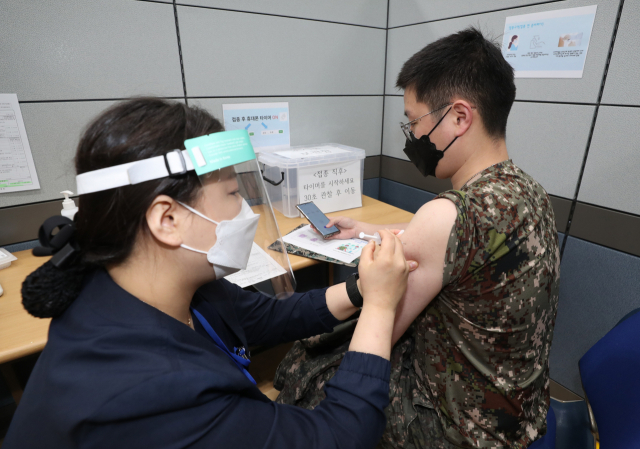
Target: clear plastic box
(284,170)
(6,258)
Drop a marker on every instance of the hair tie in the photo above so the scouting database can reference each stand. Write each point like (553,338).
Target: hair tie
(62,245)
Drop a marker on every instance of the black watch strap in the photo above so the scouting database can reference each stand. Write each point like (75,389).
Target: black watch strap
(352,290)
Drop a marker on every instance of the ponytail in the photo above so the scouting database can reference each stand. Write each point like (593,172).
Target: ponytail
(50,290)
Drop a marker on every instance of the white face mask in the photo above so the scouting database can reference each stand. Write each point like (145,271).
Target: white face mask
(232,249)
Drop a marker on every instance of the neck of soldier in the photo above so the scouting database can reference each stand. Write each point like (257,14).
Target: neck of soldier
(484,153)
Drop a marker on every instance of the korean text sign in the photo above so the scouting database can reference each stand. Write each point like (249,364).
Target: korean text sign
(550,44)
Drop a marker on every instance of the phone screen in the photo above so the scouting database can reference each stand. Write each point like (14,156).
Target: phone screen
(317,218)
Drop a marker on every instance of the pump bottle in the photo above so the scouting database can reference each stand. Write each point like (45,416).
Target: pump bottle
(69,207)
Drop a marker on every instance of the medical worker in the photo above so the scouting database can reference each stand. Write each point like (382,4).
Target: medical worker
(148,346)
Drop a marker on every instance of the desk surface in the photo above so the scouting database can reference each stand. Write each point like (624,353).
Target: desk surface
(21,334)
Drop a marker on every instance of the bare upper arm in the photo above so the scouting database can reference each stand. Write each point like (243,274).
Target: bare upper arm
(425,240)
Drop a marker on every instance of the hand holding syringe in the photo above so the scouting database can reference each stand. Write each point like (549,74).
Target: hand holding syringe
(375,237)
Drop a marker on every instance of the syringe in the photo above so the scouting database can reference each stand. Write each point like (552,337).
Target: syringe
(375,237)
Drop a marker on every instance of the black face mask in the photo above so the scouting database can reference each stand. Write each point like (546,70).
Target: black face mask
(423,153)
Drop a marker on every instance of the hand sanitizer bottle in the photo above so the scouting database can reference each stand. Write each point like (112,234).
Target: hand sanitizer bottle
(69,208)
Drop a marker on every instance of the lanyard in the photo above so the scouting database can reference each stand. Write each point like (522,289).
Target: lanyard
(240,362)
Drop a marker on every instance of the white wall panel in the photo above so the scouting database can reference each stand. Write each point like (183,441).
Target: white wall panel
(612,174)
(80,49)
(53,130)
(359,12)
(230,54)
(622,79)
(406,12)
(548,141)
(353,121)
(405,41)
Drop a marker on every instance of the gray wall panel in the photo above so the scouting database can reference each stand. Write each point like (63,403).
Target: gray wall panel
(622,79)
(406,12)
(598,286)
(78,49)
(393,138)
(611,173)
(353,121)
(359,12)
(53,130)
(224,56)
(548,141)
(404,42)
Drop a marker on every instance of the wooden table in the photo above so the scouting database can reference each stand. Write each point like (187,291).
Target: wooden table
(22,335)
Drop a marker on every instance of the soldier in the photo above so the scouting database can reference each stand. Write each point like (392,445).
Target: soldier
(471,364)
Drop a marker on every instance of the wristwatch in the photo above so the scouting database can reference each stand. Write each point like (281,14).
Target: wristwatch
(352,290)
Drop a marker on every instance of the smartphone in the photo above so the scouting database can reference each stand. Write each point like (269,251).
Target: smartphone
(315,216)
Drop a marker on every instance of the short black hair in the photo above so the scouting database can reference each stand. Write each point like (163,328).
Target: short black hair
(467,65)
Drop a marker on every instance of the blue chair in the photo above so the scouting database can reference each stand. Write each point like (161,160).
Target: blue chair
(567,427)
(610,373)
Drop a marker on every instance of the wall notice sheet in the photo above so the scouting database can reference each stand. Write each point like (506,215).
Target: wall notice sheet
(332,187)
(266,123)
(17,170)
(343,250)
(551,44)
(261,267)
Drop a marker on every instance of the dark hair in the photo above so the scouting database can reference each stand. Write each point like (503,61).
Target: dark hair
(513,38)
(109,222)
(467,65)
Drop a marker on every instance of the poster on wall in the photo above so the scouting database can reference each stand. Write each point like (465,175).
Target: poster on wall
(551,44)
(266,123)
(17,170)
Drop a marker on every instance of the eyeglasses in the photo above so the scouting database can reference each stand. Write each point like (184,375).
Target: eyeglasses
(406,127)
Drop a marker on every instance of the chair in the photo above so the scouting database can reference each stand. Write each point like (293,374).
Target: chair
(610,373)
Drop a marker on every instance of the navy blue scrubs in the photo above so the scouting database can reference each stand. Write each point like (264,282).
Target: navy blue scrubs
(117,372)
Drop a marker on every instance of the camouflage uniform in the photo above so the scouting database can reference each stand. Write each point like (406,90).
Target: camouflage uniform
(473,368)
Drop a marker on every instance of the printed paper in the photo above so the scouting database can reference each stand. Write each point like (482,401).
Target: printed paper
(332,187)
(261,267)
(551,44)
(343,250)
(266,123)
(17,170)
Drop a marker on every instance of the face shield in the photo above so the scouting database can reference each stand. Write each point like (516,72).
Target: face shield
(233,197)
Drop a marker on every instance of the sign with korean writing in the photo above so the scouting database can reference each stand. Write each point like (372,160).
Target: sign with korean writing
(266,123)
(331,187)
(551,44)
